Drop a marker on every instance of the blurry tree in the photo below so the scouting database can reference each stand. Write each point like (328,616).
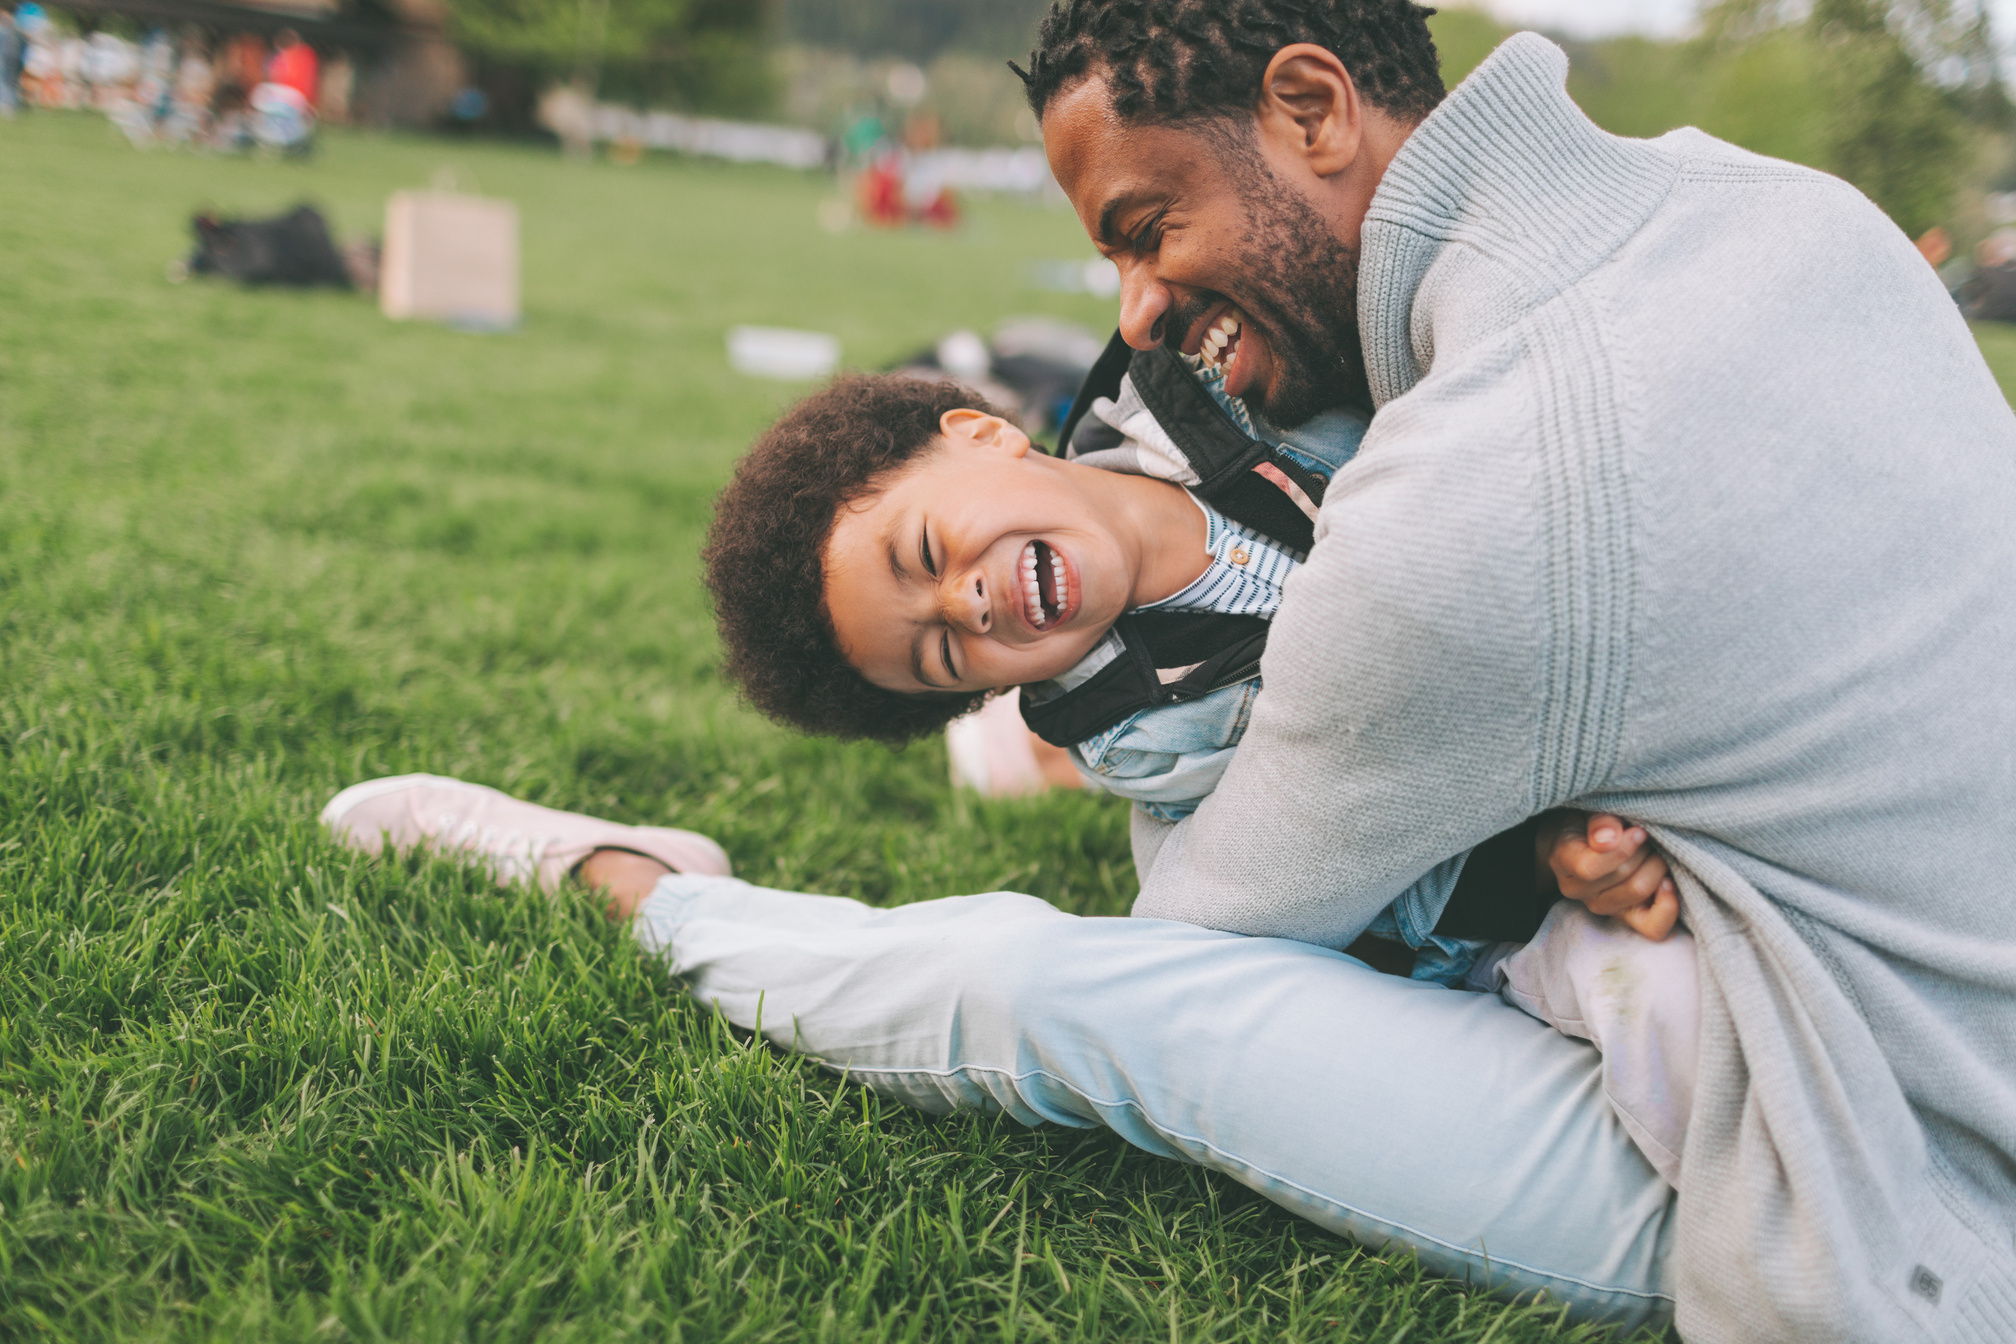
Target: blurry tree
(1892,95)
(916,30)
(1463,38)
(839,55)
(1899,97)
(698,53)
(1899,138)
(1636,85)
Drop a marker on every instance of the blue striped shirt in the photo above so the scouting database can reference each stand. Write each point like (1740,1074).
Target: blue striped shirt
(1244,578)
(1245,574)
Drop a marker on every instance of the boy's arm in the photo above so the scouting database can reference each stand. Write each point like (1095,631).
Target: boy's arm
(1614,869)
(1169,758)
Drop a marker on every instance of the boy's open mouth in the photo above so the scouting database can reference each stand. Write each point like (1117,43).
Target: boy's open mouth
(1046,585)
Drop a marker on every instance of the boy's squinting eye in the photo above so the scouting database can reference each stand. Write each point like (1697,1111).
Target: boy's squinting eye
(945,652)
(924,552)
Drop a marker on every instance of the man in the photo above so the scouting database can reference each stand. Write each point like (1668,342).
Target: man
(1688,498)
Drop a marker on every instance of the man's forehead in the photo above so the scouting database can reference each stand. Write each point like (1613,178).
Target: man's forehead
(1101,160)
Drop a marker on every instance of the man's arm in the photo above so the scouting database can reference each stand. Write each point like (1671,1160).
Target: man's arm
(1417,665)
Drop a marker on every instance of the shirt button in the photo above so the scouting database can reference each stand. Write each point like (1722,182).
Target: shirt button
(1239,557)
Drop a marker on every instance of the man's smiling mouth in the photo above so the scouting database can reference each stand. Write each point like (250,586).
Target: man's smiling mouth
(1221,339)
(1046,585)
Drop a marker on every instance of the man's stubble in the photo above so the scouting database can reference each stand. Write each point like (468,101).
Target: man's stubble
(1302,292)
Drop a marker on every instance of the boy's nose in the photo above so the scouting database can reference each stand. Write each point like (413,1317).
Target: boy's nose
(966,604)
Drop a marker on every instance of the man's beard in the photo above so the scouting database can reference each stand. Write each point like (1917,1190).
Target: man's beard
(1301,291)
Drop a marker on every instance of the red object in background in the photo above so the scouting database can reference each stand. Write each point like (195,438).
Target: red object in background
(943,210)
(881,192)
(296,67)
(884,203)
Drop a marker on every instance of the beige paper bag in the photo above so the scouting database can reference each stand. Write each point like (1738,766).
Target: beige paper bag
(449,257)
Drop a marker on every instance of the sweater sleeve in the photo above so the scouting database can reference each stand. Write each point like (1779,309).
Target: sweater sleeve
(1411,673)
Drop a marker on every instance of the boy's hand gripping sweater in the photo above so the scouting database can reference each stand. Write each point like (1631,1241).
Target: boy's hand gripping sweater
(1689,497)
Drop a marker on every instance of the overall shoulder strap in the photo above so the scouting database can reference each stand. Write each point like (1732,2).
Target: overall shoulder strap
(1218,450)
(1102,381)
(1166,657)
(1249,481)
(1171,656)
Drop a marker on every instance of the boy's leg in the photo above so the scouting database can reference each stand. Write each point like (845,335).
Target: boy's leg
(1637,1000)
(1382,1109)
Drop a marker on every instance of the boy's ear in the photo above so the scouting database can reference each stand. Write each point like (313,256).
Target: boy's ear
(981,430)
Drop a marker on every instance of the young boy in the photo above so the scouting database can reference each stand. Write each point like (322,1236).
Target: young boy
(890,553)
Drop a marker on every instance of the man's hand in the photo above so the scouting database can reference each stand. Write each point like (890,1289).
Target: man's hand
(1613,869)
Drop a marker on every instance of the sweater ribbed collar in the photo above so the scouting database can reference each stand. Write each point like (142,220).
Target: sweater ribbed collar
(1509,166)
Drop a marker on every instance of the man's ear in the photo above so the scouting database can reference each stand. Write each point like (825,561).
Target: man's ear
(983,431)
(1309,105)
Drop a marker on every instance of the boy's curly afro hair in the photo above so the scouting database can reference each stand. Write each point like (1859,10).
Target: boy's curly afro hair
(766,552)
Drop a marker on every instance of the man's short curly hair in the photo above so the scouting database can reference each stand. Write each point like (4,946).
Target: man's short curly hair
(1178,61)
(766,554)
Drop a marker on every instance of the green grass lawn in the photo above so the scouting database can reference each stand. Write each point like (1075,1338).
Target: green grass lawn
(257,546)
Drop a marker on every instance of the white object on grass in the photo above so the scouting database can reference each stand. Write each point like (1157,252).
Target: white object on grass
(1099,277)
(991,752)
(779,352)
(964,355)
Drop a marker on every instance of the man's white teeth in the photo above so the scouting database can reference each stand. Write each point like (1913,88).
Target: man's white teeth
(1218,337)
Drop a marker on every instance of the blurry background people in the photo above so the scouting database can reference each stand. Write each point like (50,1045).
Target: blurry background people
(111,66)
(339,82)
(295,66)
(282,119)
(12,51)
(241,68)
(1989,294)
(195,86)
(230,117)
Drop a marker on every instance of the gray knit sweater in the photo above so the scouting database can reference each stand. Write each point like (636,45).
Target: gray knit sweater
(1690,497)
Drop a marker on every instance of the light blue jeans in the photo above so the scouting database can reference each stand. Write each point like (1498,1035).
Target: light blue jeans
(1386,1110)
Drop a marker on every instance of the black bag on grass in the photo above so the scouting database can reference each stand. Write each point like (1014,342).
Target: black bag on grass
(291,249)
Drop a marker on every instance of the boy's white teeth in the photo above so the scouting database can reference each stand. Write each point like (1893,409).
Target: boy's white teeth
(1032,592)
(1032,587)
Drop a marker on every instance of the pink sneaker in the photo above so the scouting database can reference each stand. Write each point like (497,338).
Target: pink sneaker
(517,841)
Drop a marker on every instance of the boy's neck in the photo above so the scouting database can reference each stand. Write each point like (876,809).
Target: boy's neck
(1162,526)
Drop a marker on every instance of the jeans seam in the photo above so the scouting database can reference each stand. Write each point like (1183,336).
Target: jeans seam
(857,1071)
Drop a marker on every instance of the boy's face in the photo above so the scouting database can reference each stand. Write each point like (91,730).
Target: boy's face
(980,564)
